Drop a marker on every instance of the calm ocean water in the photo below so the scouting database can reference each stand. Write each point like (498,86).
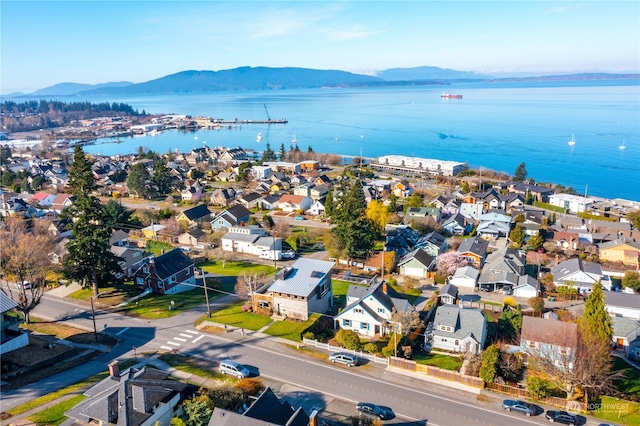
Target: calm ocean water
(494,126)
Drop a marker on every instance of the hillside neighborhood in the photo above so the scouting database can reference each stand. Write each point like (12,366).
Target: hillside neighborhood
(369,258)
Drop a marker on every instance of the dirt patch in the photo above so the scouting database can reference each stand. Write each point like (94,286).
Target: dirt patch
(37,351)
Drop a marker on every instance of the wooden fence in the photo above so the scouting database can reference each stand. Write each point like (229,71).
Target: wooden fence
(550,400)
(436,372)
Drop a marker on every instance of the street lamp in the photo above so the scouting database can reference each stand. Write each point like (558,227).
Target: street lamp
(93,316)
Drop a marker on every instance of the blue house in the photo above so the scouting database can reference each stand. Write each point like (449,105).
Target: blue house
(237,215)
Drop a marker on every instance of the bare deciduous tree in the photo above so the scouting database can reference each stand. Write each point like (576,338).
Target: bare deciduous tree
(26,258)
(406,320)
(247,283)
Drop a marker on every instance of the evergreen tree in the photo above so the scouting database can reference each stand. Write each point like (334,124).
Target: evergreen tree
(81,179)
(521,173)
(140,180)
(116,215)
(161,178)
(595,324)
(268,154)
(283,152)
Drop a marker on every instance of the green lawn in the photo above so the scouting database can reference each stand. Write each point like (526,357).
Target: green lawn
(291,330)
(630,384)
(618,411)
(340,289)
(235,268)
(445,362)
(410,294)
(54,415)
(190,365)
(156,306)
(232,315)
(108,295)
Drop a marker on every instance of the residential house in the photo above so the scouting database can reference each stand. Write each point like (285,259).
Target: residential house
(368,309)
(252,240)
(457,225)
(138,396)
(250,200)
(294,203)
(434,243)
(284,167)
(269,202)
(402,239)
(474,249)
(448,295)
(266,410)
(317,208)
(422,214)
(503,269)
(527,287)
(297,291)
(472,211)
(227,176)
(11,336)
(61,201)
(624,250)
(571,203)
(43,199)
(551,340)
(622,304)
(580,274)
(540,193)
(417,263)
(303,189)
(192,192)
(261,172)
(458,329)
(466,276)
(193,237)
(309,166)
(322,180)
(222,197)
(564,240)
(130,259)
(152,231)
(119,238)
(626,336)
(318,192)
(402,189)
(493,226)
(236,215)
(195,216)
(170,273)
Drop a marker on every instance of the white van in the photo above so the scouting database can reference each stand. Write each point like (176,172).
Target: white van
(234,369)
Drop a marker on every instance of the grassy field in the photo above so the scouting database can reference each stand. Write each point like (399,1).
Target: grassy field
(340,289)
(445,362)
(193,366)
(54,415)
(410,294)
(156,306)
(291,330)
(618,411)
(235,268)
(233,316)
(630,384)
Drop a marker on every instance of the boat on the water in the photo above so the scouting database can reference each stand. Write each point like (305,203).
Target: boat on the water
(450,96)
(622,146)
(259,137)
(572,142)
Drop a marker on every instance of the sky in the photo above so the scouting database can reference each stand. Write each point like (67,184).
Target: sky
(43,43)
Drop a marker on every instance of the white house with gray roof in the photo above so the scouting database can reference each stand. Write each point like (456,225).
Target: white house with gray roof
(251,240)
(458,329)
(622,304)
(466,276)
(369,308)
(626,336)
(580,274)
(299,290)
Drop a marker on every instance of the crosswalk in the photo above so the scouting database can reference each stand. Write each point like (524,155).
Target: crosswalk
(182,338)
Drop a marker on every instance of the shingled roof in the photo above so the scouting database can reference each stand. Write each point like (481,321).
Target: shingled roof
(171,262)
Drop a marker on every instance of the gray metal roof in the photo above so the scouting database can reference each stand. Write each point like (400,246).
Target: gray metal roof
(6,304)
(304,277)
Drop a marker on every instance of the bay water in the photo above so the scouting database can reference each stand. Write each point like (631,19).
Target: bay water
(494,126)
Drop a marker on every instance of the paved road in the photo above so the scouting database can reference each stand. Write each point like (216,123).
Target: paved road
(414,401)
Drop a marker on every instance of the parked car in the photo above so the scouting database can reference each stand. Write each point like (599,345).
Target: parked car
(561,417)
(23,285)
(300,217)
(521,406)
(383,413)
(288,254)
(346,358)
(234,369)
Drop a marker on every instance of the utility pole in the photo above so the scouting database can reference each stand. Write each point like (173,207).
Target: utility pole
(206,293)
(93,316)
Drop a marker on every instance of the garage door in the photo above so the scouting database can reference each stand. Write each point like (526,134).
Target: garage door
(413,272)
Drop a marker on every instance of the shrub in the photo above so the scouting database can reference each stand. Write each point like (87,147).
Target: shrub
(250,386)
(371,348)
(539,388)
(509,301)
(388,352)
(489,365)
(308,335)
(348,338)
(247,307)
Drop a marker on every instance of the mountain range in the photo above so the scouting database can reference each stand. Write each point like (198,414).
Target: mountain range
(264,78)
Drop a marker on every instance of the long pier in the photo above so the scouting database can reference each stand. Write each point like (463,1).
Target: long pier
(236,121)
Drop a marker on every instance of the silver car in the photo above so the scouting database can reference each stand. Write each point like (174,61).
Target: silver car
(346,358)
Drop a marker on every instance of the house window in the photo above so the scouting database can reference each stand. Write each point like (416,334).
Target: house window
(381,310)
(346,322)
(172,279)
(532,345)
(263,304)
(446,328)
(457,342)
(364,326)
(145,269)
(136,254)
(160,284)
(140,280)
(357,310)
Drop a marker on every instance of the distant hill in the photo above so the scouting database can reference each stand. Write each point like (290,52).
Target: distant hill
(428,73)
(66,89)
(264,78)
(243,78)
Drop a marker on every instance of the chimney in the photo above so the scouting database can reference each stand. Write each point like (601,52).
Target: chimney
(313,418)
(114,369)
(384,287)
